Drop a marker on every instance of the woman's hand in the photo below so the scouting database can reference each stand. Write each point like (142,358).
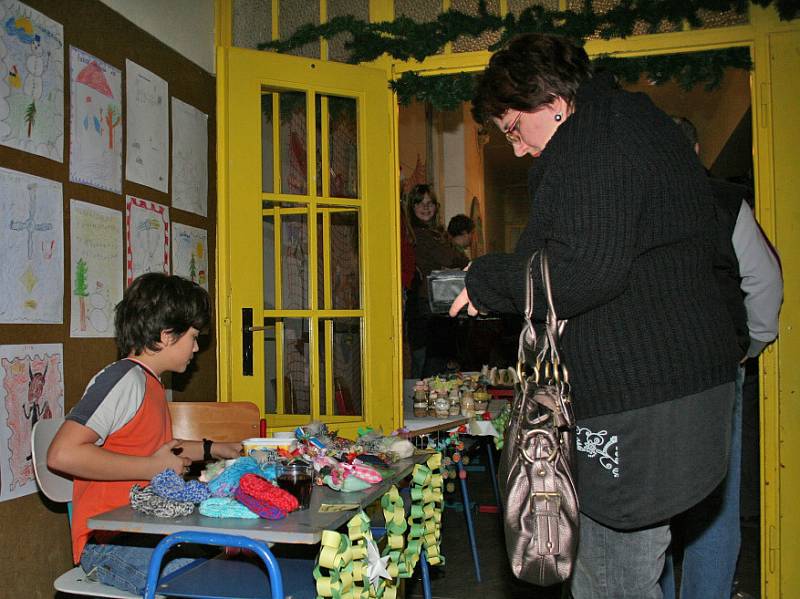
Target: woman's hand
(462,299)
(227,451)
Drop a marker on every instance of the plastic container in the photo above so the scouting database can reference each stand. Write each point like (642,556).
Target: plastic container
(268,443)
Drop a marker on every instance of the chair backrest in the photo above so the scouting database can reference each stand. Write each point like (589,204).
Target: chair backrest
(54,486)
(218,421)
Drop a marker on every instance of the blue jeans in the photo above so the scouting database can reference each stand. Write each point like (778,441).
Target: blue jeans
(617,564)
(125,566)
(711,529)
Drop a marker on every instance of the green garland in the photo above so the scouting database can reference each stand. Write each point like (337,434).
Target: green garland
(405,39)
(447,92)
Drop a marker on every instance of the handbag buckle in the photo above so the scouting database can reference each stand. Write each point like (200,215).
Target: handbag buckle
(546,508)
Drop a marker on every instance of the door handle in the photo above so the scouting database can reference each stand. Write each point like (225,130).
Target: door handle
(254,329)
(247,341)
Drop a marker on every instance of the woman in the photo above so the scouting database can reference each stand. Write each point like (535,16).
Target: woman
(433,251)
(624,209)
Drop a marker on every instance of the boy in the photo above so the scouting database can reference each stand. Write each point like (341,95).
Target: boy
(120,431)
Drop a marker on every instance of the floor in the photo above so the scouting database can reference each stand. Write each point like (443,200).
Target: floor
(456,579)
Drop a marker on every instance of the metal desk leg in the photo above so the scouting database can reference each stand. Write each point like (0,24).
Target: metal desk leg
(462,477)
(426,575)
(493,472)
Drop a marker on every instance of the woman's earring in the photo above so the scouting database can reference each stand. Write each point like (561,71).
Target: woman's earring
(558,117)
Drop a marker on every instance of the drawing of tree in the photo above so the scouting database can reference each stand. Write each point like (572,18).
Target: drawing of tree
(81,289)
(193,269)
(112,118)
(30,116)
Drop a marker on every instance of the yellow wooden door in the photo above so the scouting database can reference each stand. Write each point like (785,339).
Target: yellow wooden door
(308,297)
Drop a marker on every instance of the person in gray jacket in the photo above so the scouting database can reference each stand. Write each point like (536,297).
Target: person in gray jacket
(749,277)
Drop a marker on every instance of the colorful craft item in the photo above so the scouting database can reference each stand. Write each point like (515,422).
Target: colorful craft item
(214,469)
(333,571)
(225,507)
(145,500)
(169,485)
(226,483)
(258,506)
(263,490)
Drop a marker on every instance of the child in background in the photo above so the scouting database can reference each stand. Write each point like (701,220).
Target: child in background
(120,432)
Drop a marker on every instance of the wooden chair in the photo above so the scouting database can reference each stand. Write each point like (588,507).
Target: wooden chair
(218,421)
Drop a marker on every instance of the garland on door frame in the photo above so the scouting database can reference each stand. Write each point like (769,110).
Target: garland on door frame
(405,39)
(447,92)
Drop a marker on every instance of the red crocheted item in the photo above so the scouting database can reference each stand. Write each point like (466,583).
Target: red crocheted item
(259,488)
(258,507)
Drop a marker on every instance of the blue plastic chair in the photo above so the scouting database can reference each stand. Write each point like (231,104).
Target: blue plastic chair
(230,578)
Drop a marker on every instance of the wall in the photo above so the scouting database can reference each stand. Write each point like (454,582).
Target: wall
(186,26)
(34,536)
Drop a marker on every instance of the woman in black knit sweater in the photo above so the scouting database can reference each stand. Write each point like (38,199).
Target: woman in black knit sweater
(625,211)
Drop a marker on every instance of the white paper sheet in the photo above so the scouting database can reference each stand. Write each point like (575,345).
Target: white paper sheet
(31,389)
(148,236)
(189,158)
(147,127)
(190,253)
(95,151)
(32,85)
(95,235)
(31,249)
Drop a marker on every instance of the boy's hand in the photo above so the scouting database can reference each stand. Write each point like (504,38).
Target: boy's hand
(165,458)
(226,451)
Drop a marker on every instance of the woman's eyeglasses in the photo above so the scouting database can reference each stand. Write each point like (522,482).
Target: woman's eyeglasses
(513,134)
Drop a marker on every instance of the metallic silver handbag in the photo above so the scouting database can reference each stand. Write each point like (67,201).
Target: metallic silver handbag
(540,500)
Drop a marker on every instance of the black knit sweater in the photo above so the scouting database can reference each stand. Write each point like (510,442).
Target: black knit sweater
(625,210)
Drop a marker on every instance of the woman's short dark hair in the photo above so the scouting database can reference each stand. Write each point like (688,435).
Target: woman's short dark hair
(156,302)
(533,70)
(414,197)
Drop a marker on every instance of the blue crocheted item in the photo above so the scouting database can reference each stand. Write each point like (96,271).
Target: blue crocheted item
(227,482)
(225,507)
(169,485)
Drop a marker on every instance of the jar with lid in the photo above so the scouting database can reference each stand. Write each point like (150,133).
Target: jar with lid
(455,402)
(468,405)
(442,407)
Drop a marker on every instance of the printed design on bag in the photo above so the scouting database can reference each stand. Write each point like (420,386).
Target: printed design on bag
(599,445)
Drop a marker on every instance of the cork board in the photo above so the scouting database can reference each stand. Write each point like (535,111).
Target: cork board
(34,536)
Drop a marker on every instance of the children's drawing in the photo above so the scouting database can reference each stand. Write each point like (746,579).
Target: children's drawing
(32,249)
(31,389)
(147,127)
(95,151)
(32,92)
(147,234)
(189,158)
(96,268)
(190,253)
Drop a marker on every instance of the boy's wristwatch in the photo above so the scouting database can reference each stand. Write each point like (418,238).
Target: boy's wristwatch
(207,457)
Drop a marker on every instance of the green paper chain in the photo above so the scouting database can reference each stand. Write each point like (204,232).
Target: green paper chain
(425,517)
(333,571)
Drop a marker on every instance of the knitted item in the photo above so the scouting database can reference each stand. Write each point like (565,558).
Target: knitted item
(169,485)
(225,507)
(145,500)
(226,483)
(259,506)
(261,489)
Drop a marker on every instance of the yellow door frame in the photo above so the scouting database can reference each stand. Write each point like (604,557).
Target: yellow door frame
(774,154)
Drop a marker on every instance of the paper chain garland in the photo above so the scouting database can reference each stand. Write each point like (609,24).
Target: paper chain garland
(342,566)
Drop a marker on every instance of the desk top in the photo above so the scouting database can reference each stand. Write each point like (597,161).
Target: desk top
(303,527)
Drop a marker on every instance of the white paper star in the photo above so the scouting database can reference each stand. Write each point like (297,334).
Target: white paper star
(376,565)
